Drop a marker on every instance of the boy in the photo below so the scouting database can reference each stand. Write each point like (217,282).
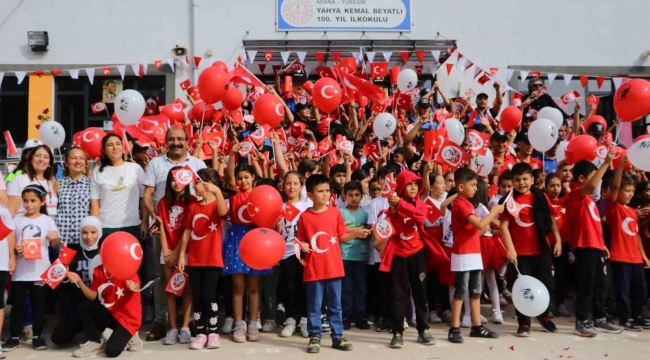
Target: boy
(466,261)
(589,249)
(627,255)
(320,229)
(525,151)
(355,260)
(339,173)
(525,237)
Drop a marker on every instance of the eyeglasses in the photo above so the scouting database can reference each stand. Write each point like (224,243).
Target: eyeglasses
(179,139)
(536,85)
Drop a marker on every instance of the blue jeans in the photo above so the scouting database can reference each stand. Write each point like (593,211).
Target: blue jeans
(315,291)
(353,297)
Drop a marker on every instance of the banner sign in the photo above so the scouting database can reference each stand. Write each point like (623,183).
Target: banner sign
(343,15)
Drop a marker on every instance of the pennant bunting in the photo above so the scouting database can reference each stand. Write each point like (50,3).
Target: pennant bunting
(122,70)
(55,72)
(91,75)
(509,73)
(170,61)
(600,80)
(405,56)
(320,56)
(74,73)
(156,63)
(262,67)
(523,74)
(20,75)
(370,55)
(387,55)
(2,75)
(551,77)
(583,80)
(301,56)
(197,61)
(251,55)
(268,55)
(436,55)
(285,56)
(336,55)
(136,69)
(420,55)
(144,67)
(535,74)
(617,82)
(477,70)
(106,71)
(567,79)
(449,66)
(494,71)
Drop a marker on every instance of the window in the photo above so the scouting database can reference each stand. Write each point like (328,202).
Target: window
(14,110)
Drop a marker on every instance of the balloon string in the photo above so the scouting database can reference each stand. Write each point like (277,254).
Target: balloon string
(149,284)
(202,117)
(516,268)
(618,132)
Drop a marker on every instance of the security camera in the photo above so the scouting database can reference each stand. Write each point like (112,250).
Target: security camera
(179,51)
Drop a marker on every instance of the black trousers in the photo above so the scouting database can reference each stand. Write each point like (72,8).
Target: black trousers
(591,283)
(37,293)
(69,322)
(95,319)
(541,268)
(292,288)
(268,292)
(204,281)
(404,272)
(561,266)
(631,290)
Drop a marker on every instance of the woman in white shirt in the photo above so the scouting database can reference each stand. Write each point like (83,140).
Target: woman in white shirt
(38,171)
(116,189)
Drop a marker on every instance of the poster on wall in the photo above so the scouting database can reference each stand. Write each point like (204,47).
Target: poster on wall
(343,15)
(110,90)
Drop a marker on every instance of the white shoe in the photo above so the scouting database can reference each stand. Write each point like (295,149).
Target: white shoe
(497,317)
(483,320)
(88,348)
(106,334)
(269,326)
(303,328)
(434,318)
(259,322)
(227,325)
(135,344)
(466,322)
(406,324)
(289,328)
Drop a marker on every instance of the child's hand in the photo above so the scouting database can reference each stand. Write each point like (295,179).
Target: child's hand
(623,161)
(394,200)
(12,264)
(52,235)
(73,277)
(646,262)
(19,248)
(499,208)
(606,253)
(512,256)
(181,263)
(611,154)
(132,285)
(363,233)
(557,249)
(305,247)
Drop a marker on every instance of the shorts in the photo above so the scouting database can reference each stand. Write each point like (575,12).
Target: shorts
(162,259)
(466,280)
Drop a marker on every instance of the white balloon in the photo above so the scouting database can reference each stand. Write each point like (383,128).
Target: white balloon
(129,107)
(455,130)
(542,134)
(638,154)
(384,124)
(561,150)
(552,114)
(530,296)
(407,80)
(52,134)
(483,164)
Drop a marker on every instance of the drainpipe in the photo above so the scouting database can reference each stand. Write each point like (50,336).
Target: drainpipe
(193,32)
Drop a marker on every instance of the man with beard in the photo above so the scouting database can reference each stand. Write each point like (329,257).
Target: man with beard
(533,102)
(483,109)
(503,160)
(155,182)
(525,151)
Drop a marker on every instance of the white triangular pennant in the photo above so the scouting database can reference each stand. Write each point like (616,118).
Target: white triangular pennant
(122,70)
(509,73)
(387,55)
(21,76)
(436,55)
(301,56)
(567,79)
(477,70)
(170,61)
(551,77)
(144,69)
(523,74)
(91,75)
(307,70)
(242,55)
(355,55)
(463,66)
(2,75)
(251,55)
(74,73)
(617,82)
(508,88)
(285,56)
(136,69)
(370,55)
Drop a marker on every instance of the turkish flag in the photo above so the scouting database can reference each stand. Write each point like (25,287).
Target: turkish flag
(569,97)
(55,274)
(325,145)
(184,176)
(324,71)
(513,206)
(348,65)
(433,212)
(485,77)
(240,75)
(478,142)
(105,70)
(332,202)
(98,107)
(32,249)
(66,255)
(298,128)
(157,63)
(403,102)
(268,55)
(593,100)
(373,92)
(378,69)
(185,84)
(4,229)
(452,155)
(177,282)
(515,100)
(344,145)
(535,74)
(383,230)
(418,70)
(433,139)
(371,150)
(388,188)
(260,135)
(289,212)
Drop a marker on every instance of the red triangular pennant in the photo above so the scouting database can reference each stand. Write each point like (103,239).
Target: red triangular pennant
(420,55)
(267,55)
(55,72)
(319,56)
(157,63)
(405,56)
(600,80)
(449,66)
(197,60)
(336,55)
(262,67)
(583,80)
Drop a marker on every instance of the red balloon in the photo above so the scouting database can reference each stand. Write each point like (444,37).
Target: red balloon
(174,112)
(510,118)
(91,142)
(268,110)
(121,255)
(232,99)
(76,138)
(308,86)
(632,100)
(327,95)
(197,111)
(212,84)
(582,147)
(221,65)
(593,119)
(620,152)
(265,206)
(261,248)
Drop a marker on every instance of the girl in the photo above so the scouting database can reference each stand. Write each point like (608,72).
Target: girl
(35,231)
(290,267)
(173,210)
(7,259)
(71,297)
(555,193)
(204,261)
(243,277)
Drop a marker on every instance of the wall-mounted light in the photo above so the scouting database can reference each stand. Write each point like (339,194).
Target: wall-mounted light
(38,41)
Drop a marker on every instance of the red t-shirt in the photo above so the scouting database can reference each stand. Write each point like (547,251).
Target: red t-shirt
(466,236)
(623,225)
(558,211)
(534,163)
(508,162)
(239,209)
(522,228)
(586,230)
(122,303)
(204,248)
(173,217)
(321,231)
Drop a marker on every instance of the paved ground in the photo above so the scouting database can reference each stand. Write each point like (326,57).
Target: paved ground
(371,345)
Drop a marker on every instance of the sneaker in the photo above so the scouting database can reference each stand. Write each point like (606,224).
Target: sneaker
(158,332)
(482,332)
(325,323)
(562,311)
(314,345)
(135,344)
(425,338)
(434,318)
(483,320)
(253,333)
(645,324)
(347,323)
(502,300)
(585,329)
(497,317)
(397,342)
(171,338)
(454,336)
(214,341)
(362,323)
(371,320)
(466,322)
(384,326)
(446,316)
(88,348)
(199,342)
(406,324)
(281,308)
(239,335)
(608,327)
(38,343)
(259,322)
(303,328)
(548,325)
(27,334)
(269,326)
(523,331)
(341,344)
(289,328)
(185,336)
(10,344)
(106,334)
(227,325)
(630,325)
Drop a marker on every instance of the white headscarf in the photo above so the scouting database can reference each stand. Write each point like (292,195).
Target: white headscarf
(91,221)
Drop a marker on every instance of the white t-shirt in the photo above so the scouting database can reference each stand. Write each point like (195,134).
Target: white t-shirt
(5,215)
(481,213)
(18,183)
(376,206)
(304,197)
(288,229)
(118,190)
(158,169)
(26,228)
(444,221)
